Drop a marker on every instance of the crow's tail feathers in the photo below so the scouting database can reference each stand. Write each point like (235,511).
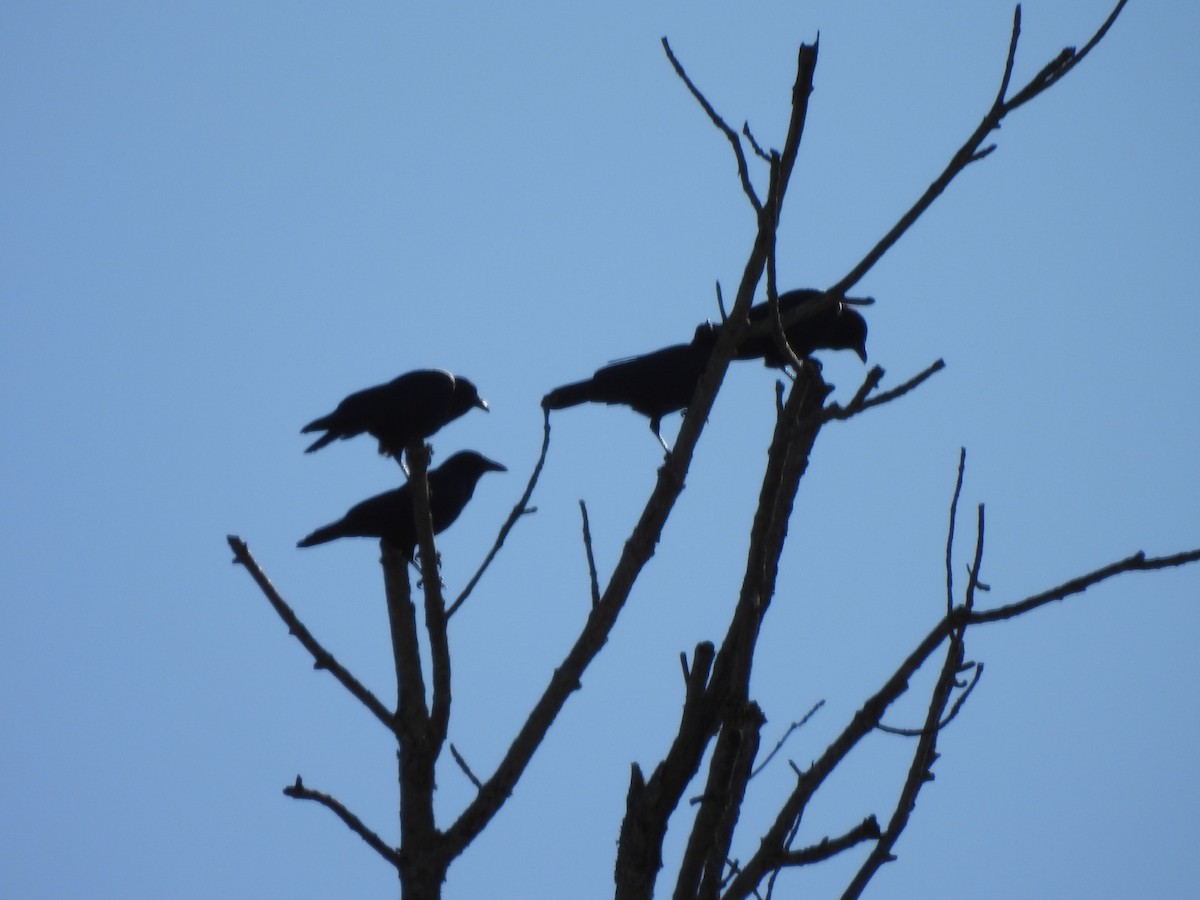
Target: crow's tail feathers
(570,395)
(323,535)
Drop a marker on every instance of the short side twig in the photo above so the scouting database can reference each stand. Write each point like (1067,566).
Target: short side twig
(958,483)
(462,764)
(860,403)
(591,559)
(299,792)
(800,723)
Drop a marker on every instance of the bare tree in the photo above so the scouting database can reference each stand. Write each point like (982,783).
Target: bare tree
(719,720)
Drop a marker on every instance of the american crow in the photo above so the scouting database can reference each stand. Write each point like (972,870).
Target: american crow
(406,409)
(653,384)
(390,515)
(837,327)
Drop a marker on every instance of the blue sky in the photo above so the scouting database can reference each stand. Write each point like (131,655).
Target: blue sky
(218,219)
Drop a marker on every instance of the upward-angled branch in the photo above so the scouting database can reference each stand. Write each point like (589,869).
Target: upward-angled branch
(972,149)
(646,532)
(521,508)
(322,658)
(772,849)
(730,134)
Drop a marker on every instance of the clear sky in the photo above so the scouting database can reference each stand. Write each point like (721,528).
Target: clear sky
(216,220)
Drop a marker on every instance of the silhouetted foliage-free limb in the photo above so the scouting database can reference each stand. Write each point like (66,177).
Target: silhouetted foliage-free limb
(322,658)
(298,791)
(861,403)
(866,830)
(724,702)
(591,558)
(971,150)
(773,846)
(522,508)
(640,545)
(743,169)
(799,723)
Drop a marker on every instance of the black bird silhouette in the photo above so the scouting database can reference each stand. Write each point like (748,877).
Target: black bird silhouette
(837,327)
(406,409)
(390,515)
(653,384)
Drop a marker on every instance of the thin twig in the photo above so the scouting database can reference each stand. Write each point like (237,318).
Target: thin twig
(971,151)
(1135,563)
(973,578)
(861,404)
(958,483)
(521,509)
(977,673)
(462,764)
(754,145)
(591,559)
(299,792)
(743,169)
(322,658)
(787,734)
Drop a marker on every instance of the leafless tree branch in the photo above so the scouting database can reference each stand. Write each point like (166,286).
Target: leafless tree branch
(860,403)
(521,509)
(958,483)
(322,658)
(462,764)
(866,830)
(299,792)
(591,559)
(970,151)
(743,169)
(787,734)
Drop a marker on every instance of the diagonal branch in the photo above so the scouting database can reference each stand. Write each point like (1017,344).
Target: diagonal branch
(1135,563)
(743,169)
(299,792)
(591,558)
(645,535)
(918,773)
(971,151)
(772,846)
(800,723)
(860,403)
(522,508)
(322,658)
(866,830)
(958,483)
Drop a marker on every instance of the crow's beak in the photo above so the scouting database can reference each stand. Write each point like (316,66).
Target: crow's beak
(481,403)
(493,466)
(862,352)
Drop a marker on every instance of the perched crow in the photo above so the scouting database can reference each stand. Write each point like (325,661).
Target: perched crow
(654,384)
(837,327)
(390,515)
(406,409)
